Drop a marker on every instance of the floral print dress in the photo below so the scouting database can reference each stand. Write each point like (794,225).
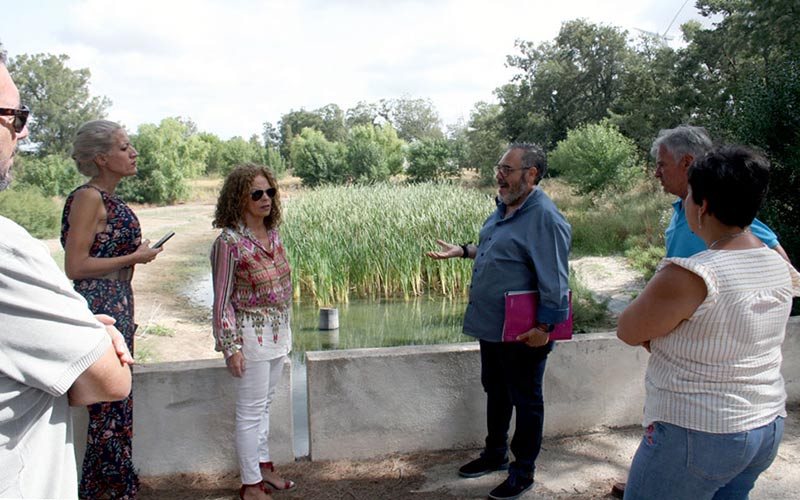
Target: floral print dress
(107,464)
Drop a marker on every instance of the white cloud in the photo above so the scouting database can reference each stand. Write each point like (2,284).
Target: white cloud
(231,65)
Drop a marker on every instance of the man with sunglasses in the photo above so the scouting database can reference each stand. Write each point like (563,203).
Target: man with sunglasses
(523,245)
(54,351)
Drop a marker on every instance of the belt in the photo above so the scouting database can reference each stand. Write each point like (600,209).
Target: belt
(124,274)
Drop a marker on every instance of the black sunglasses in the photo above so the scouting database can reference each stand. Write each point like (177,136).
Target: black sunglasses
(20,116)
(259,193)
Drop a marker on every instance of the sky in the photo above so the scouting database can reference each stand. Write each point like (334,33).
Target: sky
(231,65)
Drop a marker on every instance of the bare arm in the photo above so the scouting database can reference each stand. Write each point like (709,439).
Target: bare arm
(87,217)
(108,379)
(778,248)
(671,296)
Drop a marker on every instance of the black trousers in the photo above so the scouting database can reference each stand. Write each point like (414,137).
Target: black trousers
(512,375)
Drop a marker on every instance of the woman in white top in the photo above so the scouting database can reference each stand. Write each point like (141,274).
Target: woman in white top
(714,324)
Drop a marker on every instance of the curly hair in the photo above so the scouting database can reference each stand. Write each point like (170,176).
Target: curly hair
(236,193)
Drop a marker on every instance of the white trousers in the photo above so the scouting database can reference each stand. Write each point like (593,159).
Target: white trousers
(254,394)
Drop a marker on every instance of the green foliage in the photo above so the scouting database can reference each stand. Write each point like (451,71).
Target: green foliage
(26,206)
(588,315)
(565,83)
(54,175)
(414,119)
(615,222)
(237,151)
(486,143)
(595,158)
(316,160)
(328,120)
(429,160)
(371,240)
(59,98)
(168,158)
(373,153)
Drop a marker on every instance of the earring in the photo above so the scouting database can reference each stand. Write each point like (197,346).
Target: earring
(699,221)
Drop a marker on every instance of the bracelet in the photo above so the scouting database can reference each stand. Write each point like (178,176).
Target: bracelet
(465,250)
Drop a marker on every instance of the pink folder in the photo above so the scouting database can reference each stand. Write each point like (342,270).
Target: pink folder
(521,315)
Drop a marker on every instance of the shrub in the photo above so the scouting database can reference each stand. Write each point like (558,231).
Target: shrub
(373,153)
(26,206)
(596,157)
(54,175)
(430,160)
(316,160)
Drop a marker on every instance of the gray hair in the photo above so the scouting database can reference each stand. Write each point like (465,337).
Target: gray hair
(683,140)
(533,156)
(93,138)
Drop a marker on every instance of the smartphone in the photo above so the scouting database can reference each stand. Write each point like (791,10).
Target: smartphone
(163,239)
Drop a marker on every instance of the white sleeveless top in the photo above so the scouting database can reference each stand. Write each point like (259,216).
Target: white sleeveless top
(719,371)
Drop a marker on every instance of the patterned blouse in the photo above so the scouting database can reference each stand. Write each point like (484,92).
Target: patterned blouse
(252,291)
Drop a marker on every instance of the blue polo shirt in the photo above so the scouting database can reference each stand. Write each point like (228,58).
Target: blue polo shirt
(529,250)
(682,242)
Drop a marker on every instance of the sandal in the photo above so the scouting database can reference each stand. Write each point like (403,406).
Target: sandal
(255,485)
(288,484)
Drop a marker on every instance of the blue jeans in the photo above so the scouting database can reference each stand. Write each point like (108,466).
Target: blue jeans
(512,374)
(677,463)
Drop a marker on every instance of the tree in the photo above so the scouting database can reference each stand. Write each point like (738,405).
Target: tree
(485,140)
(373,153)
(316,160)
(414,119)
(565,83)
(430,159)
(168,158)
(363,113)
(59,97)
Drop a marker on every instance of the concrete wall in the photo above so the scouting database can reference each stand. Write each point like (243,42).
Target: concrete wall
(370,402)
(183,419)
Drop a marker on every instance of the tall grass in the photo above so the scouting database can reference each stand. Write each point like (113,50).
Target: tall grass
(370,241)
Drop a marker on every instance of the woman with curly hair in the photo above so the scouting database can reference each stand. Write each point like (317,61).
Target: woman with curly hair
(251,314)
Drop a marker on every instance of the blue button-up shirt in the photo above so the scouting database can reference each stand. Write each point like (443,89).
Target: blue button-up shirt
(682,242)
(529,250)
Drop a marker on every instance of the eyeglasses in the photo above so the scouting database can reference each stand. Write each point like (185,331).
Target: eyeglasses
(505,169)
(259,193)
(20,116)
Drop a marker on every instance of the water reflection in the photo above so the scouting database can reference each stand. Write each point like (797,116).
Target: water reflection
(362,323)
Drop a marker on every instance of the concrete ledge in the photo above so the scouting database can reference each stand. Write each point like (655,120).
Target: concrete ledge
(183,419)
(370,402)
(365,403)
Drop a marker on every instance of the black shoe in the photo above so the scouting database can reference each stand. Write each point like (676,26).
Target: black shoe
(482,466)
(514,486)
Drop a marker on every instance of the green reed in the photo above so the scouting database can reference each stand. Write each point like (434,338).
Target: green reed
(370,241)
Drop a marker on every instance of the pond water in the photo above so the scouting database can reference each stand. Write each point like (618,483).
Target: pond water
(362,323)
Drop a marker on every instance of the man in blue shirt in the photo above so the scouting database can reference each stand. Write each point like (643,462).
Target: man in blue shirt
(523,245)
(674,150)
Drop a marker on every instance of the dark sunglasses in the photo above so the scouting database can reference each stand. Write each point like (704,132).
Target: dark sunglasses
(20,116)
(259,193)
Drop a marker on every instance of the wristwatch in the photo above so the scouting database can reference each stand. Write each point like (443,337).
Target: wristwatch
(546,327)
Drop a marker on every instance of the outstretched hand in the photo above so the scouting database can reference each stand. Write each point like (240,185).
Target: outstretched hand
(448,251)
